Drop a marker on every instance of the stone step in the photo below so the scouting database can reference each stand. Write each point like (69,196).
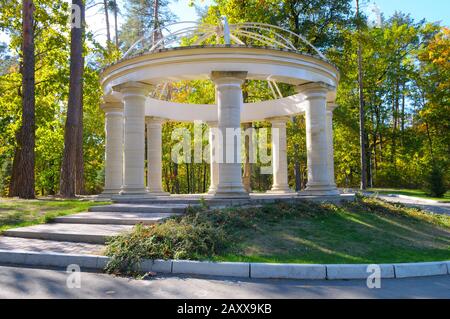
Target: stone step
(14,244)
(83,233)
(141,208)
(113,218)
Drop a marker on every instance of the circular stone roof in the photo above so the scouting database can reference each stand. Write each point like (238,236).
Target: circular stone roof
(197,63)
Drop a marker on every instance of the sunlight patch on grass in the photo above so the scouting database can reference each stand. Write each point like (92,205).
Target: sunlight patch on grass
(21,213)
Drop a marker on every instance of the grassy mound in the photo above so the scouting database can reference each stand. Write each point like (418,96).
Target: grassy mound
(365,231)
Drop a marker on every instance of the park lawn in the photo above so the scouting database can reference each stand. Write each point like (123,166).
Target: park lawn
(410,192)
(20,213)
(365,231)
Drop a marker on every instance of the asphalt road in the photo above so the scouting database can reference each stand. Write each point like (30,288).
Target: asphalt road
(18,282)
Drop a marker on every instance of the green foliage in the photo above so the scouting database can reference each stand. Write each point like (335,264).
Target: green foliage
(189,237)
(435,183)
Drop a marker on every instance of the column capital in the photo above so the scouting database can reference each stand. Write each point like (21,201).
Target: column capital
(228,77)
(154,120)
(278,119)
(112,107)
(331,107)
(134,88)
(315,89)
(212,123)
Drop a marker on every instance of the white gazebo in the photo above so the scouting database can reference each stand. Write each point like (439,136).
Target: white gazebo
(149,64)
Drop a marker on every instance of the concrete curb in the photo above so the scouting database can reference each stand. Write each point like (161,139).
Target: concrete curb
(421,269)
(358,271)
(288,271)
(228,269)
(232,269)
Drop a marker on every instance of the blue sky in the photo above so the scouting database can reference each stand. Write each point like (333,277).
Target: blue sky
(432,10)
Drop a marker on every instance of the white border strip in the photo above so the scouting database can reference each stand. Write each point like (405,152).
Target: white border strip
(231,269)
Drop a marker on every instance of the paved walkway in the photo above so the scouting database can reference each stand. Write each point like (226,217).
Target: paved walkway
(38,283)
(49,246)
(436,207)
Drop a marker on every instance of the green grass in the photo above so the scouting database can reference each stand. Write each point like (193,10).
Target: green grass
(365,231)
(411,192)
(20,213)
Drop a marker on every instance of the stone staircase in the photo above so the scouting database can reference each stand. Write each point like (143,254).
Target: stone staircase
(87,232)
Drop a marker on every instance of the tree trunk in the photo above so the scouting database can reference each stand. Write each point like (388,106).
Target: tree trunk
(108,33)
(157,35)
(395,107)
(297,168)
(188,179)
(403,113)
(176,181)
(22,182)
(247,176)
(68,167)
(362,142)
(116,27)
(79,170)
(205,175)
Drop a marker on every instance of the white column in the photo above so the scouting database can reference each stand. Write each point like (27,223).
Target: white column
(316,139)
(134,97)
(229,105)
(330,109)
(214,166)
(154,156)
(114,147)
(279,156)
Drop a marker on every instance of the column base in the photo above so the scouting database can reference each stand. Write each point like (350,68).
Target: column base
(133,191)
(320,190)
(108,193)
(234,191)
(280,190)
(157,193)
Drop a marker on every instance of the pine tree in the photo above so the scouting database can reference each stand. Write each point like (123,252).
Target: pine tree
(22,179)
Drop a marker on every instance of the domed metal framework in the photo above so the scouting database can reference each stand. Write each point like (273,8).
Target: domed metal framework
(190,33)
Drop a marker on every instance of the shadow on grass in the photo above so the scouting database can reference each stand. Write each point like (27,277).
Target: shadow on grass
(360,232)
(14,219)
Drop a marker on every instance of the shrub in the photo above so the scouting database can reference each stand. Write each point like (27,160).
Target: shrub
(435,183)
(187,237)
(199,234)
